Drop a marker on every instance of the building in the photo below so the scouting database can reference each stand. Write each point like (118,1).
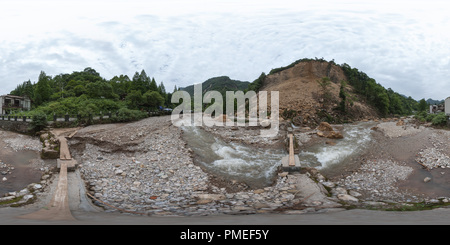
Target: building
(447,106)
(434,109)
(10,103)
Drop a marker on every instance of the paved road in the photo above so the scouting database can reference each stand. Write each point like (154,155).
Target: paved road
(10,216)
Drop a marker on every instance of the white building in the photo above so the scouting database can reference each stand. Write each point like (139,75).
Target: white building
(447,106)
(9,103)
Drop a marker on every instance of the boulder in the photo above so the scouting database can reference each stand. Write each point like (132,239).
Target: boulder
(347,198)
(49,153)
(324,126)
(334,135)
(400,123)
(325,130)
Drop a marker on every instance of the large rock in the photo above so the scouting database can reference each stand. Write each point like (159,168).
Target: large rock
(324,126)
(330,134)
(347,198)
(48,153)
(334,135)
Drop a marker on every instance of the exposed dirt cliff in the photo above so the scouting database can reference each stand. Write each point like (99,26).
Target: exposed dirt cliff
(302,97)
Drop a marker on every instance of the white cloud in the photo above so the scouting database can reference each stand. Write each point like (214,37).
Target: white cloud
(403,45)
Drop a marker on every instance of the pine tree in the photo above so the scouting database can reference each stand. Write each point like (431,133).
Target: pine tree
(43,90)
(153,86)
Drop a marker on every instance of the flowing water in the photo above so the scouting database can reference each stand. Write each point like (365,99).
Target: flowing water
(257,167)
(254,166)
(326,156)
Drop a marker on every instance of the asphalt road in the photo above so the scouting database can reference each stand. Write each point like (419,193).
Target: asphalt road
(441,216)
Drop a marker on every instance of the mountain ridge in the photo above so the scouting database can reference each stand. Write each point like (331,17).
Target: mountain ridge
(220,84)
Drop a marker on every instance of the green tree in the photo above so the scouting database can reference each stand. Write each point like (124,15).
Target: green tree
(134,99)
(43,90)
(423,105)
(153,99)
(79,90)
(121,85)
(141,82)
(100,89)
(257,84)
(153,86)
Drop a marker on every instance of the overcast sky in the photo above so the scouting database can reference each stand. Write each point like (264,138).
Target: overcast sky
(403,45)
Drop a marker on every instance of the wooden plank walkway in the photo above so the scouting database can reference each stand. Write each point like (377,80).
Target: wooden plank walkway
(291,163)
(58,208)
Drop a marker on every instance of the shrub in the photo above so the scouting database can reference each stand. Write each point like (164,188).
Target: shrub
(430,117)
(126,115)
(39,121)
(439,119)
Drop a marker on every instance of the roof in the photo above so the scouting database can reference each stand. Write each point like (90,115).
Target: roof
(13,96)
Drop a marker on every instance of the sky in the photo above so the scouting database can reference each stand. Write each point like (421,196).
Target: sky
(403,45)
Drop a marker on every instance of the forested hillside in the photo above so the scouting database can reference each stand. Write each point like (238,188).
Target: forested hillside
(86,92)
(220,84)
(303,87)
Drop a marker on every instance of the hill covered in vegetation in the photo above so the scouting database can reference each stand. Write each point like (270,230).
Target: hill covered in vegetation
(311,91)
(220,84)
(86,92)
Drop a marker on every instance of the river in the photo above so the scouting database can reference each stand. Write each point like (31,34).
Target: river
(331,158)
(258,167)
(253,166)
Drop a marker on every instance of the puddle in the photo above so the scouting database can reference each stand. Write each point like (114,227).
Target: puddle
(18,169)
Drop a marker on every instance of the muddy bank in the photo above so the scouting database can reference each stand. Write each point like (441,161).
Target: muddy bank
(389,169)
(20,162)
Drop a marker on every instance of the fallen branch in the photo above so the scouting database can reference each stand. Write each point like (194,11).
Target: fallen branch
(423,165)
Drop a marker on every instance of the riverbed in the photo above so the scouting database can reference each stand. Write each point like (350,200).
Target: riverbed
(20,162)
(332,157)
(256,167)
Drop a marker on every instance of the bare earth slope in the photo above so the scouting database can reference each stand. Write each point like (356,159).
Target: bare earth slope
(300,92)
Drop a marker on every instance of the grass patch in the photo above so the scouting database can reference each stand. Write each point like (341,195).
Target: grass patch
(14,200)
(421,206)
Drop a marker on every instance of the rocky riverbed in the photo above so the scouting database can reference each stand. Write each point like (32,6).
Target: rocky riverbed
(23,175)
(147,168)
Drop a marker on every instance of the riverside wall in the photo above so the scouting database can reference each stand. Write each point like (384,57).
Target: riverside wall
(15,126)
